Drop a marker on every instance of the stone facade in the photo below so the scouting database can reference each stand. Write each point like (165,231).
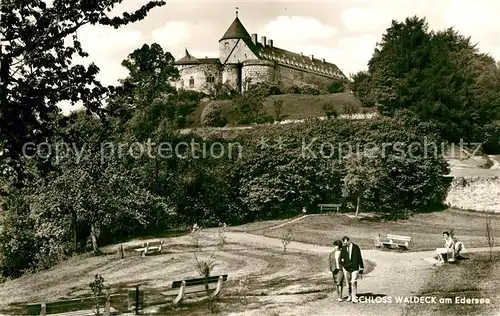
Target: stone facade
(243,60)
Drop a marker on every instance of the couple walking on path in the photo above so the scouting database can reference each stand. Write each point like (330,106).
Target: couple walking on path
(346,263)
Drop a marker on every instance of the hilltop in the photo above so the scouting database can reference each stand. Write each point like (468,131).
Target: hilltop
(295,106)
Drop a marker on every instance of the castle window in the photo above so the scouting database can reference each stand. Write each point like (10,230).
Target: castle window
(210,78)
(191,82)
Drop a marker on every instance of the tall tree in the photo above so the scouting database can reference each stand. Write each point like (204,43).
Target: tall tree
(435,75)
(39,42)
(151,72)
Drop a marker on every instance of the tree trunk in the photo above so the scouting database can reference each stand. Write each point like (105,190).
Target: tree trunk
(75,233)
(357,205)
(93,236)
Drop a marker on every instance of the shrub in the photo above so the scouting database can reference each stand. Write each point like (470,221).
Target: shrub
(278,109)
(221,91)
(264,89)
(97,287)
(292,90)
(213,115)
(250,107)
(336,86)
(350,108)
(309,89)
(330,110)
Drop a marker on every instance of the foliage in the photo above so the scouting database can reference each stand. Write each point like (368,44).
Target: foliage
(361,87)
(303,89)
(221,91)
(221,234)
(336,86)
(440,76)
(264,89)
(278,110)
(292,90)
(309,89)
(206,266)
(196,234)
(38,45)
(213,115)
(249,107)
(97,287)
(286,239)
(362,172)
(151,71)
(350,108)
(330,110)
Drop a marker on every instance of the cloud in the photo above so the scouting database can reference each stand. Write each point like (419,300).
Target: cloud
(107,47)
(297,29)
(172,34)
(363,20)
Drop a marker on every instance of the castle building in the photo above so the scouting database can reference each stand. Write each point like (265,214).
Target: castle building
(244,61)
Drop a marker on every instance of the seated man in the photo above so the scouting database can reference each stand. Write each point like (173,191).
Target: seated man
(448,252)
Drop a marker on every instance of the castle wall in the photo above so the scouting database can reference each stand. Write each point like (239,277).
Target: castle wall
(199,72)
(256,71)
(231,75)
(288,76)
(240,53)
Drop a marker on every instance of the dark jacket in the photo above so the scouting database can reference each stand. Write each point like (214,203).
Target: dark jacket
(356,261)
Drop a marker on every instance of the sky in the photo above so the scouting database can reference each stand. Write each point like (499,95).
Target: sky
(343,32)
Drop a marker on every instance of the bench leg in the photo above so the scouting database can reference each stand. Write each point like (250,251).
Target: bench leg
(180,296)
(107,308)
(43,311)
(219,285)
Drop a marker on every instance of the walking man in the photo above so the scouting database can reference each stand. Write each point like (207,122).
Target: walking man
(352,264)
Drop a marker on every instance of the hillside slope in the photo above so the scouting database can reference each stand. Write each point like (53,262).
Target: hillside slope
(295,106)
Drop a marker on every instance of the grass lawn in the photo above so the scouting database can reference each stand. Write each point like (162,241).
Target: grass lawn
(475,278)
(295,106)
(425,229)
(272,277)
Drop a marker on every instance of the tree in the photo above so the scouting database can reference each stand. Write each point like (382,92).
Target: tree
(90,189)
(213,115)
(361,86)
(362,173)
(151,72)
(39,42)
(250,107)
(435,75)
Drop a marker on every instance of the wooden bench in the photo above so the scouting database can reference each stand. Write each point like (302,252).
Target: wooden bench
(76,307)
(402,242)
(329,207)
(191,286)
(150,247)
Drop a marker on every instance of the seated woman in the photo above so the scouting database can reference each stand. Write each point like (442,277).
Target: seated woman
(448,252)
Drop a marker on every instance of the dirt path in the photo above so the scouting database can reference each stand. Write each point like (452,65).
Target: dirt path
(395,274)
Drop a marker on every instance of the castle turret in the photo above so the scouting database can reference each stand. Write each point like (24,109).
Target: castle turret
(235,47)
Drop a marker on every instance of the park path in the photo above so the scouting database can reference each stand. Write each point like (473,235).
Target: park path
(394,274)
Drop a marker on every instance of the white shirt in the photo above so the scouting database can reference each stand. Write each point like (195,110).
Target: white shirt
(337,259)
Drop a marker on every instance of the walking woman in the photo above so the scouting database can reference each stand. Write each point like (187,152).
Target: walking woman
(336,268)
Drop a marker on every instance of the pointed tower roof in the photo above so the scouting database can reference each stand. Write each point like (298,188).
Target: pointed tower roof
(236,30)
(187,59)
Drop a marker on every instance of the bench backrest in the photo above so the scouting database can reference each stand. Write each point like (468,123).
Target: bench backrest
(70,305)
(156,243)
(329,205)
(191,282)
(398,237)
(153,243)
